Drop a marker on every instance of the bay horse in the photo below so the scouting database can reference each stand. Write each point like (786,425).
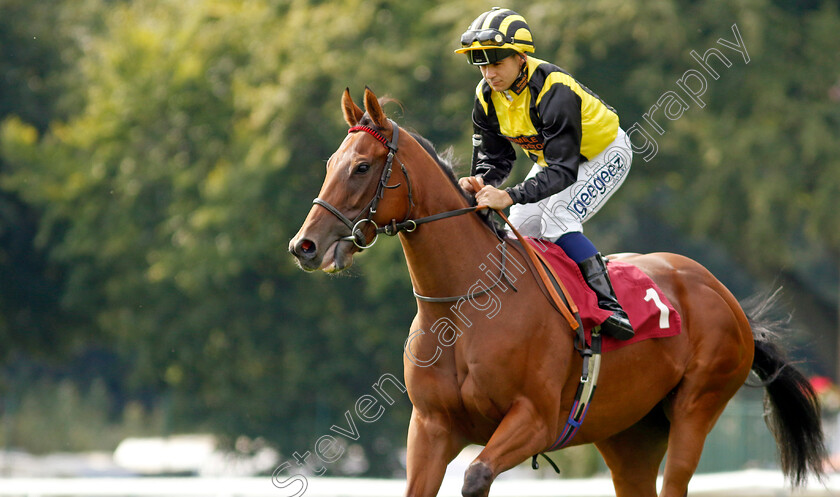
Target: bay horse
(508,381)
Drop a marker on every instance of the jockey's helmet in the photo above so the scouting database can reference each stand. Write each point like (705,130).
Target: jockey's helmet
(494,35)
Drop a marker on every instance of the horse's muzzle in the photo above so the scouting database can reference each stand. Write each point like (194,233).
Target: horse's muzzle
(306,253)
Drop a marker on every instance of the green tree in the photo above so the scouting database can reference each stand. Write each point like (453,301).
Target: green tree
(35,51)
(170,196)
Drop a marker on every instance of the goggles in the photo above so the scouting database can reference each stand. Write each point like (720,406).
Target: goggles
(484,37)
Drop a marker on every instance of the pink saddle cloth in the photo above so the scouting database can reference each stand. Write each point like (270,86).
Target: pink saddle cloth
(649,310)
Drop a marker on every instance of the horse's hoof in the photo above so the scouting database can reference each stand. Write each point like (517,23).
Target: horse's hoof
(477,480)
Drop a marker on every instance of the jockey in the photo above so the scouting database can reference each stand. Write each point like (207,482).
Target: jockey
(580,153)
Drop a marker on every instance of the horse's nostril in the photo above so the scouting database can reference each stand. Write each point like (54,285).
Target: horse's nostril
(307,246)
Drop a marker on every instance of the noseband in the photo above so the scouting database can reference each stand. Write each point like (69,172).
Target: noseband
(356,234)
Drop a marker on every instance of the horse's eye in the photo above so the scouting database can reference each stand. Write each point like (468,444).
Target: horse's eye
(362,168)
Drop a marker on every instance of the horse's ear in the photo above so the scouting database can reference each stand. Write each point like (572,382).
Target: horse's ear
(374,110)
(352,113)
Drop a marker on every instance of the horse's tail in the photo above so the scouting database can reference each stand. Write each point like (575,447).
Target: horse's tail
(792,406)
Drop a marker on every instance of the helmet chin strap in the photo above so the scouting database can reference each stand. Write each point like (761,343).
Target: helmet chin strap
(523,59)
(519,83)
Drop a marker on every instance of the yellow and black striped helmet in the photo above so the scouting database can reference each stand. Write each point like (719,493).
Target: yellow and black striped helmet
(494,35)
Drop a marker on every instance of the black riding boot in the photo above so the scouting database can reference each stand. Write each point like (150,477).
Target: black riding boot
(595,273)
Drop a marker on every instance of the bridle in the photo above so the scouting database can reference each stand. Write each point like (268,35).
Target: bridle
(356,235)
(407,225)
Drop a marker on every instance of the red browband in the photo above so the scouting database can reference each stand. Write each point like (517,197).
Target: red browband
(372,132)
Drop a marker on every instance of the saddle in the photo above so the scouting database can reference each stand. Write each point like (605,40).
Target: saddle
(651,313)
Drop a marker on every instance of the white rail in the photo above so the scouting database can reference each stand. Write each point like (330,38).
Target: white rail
(753,483)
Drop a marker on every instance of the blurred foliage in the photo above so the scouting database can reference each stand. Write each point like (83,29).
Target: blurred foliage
(156,156)
(59,417)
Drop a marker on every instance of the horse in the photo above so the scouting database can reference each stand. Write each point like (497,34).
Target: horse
(507,380)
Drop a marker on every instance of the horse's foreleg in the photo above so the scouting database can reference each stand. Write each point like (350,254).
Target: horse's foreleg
(521,434)
(432,444)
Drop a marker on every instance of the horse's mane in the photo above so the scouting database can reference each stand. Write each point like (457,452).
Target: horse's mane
(447,165)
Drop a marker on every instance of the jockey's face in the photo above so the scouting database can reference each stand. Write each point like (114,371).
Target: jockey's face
(501,75)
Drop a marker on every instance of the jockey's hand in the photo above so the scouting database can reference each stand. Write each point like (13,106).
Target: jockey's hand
(468,183)
(493,197)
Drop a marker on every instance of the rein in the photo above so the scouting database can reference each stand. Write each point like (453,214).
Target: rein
(564,304)
(407,225)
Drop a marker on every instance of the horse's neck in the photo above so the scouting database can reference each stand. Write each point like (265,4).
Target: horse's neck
(444,257)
